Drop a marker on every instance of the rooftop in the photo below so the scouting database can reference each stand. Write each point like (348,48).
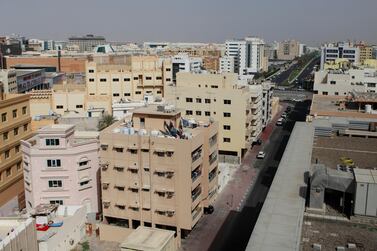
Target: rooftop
(147,239)
(164,111)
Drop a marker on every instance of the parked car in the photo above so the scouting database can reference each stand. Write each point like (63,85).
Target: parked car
(284,115)
(279,122)
(261,155)
(209,210)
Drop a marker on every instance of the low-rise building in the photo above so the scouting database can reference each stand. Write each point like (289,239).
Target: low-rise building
(237,107)
(61,168)
(28,80)
(158,170)
(14,126)
(341,82)
(18,233)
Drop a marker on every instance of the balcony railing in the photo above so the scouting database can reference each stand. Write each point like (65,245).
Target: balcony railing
(195,213)
(212,158)
(195,174)
(212,175)
(195,194)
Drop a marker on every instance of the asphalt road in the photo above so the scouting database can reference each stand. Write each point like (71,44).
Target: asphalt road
(281,77)
(235,233)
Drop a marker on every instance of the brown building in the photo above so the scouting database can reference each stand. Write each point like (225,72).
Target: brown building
(288,50)
(68,64)
(211,63)
(160,173)
(14,126)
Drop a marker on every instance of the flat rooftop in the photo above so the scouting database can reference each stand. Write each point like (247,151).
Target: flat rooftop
(279,224)
(329,106)
(153,110)
(56,127)
(147,239)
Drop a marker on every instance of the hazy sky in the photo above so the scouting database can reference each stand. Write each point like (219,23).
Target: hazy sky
(310,21)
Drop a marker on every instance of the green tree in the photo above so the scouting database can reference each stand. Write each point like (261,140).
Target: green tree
(105,121)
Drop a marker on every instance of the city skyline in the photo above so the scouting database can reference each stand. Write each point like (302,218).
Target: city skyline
(177,22)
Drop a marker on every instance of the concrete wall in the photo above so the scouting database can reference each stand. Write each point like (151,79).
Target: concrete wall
(113,233)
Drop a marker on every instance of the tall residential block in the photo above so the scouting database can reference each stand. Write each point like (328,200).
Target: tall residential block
(331,52)
(158,170)
(61,168)
(288,50)
(237,107)
(127,77)
(14,126)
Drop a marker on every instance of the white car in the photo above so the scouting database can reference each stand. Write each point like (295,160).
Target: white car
(261,155)
(279,122)
(284,115)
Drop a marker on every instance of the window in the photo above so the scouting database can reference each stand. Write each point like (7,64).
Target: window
(53,163)
(207,113)
(55,183)
(15,131)
(325,93)
(158,92)
(138,92)
(136,78)
(83,183)
(115,79)
(14,112)
(17,148)
(56,202)
(24,110)
(198,113)
(79,106)
(4,117)
(83,163)
(336,93)
(207,101)
(25,127)
(18,166)
(168,79)
(333,82)
(227,102)
(198,100)
(148,78)
(115,94)
(127,94)
(227,140)
(189,100)
(188,112)
(158,78)
(226,127)
(8,172)
(59,107)
(214,86)
(6,154)
(127,79)
(226,114)
(5,136)
(91,80)
(118,149)
(52,142)
(102,80)
(91,71)
(168,69)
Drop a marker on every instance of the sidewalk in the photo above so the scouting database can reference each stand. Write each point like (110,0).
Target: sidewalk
(230,199)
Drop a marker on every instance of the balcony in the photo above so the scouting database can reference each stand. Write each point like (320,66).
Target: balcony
(196,174)
(212,158)
(196,212)
(212,174)
(195,193)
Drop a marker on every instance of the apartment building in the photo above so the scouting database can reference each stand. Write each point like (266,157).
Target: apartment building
(226,64)
(340,82)
(14,126)
(128,77)
(183,63)
(366,52)
(158,170)
(28,80)
(248,55)
(60,167)
(87,42)
(237,107)
(331,52)
(267,103)
(9,80)
(288,50)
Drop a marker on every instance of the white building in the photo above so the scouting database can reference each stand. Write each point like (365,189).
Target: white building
(302,50)
(18,233)
(339,82)
(248,55)
(226,64)
(331,52)
(183,63)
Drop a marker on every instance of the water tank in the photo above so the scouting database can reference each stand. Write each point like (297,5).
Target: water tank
(368,108)
(116,130)
(125,130)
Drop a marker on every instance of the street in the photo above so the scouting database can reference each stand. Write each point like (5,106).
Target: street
(238,206)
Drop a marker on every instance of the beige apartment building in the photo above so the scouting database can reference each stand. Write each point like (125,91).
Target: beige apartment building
(366,52)
(158,170)
(127,77)
(237,107)
(14,127)
(288,50)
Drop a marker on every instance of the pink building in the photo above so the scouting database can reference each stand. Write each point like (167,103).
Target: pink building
(61,168)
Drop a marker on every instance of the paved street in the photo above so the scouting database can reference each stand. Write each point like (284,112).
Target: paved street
(238,206)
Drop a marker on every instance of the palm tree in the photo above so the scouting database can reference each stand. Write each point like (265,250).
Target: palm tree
(105,121)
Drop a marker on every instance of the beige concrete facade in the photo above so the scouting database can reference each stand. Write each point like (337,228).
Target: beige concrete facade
(288,50)
(237,108)
(9,80)
(18,234)
(366,52)
(155,180)
(130,77)
(14,126)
